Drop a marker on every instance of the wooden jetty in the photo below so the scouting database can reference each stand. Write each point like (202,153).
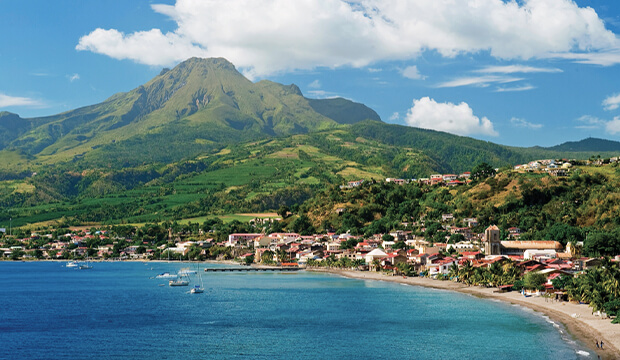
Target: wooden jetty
(253,269)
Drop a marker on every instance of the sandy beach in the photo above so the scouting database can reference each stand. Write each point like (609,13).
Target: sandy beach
(577,318)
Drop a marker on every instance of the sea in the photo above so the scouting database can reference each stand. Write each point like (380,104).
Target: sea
(119,310)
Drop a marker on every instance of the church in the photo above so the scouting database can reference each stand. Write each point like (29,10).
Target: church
(495,247)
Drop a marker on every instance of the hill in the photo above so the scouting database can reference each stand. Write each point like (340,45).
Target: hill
(197,106)
(592,145)
(200,140)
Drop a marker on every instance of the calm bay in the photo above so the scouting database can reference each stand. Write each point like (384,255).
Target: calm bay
(118,310)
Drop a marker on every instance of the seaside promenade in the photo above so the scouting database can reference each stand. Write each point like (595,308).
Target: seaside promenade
(577,318)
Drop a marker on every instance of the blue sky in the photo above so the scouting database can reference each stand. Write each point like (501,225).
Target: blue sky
(524,73)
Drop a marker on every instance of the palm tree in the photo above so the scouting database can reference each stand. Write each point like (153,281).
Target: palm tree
(453,272)
(376,264)
(466,273)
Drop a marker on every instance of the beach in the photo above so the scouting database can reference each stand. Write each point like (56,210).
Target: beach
(577,318)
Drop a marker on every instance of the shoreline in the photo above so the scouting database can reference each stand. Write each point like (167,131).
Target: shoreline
(576,318)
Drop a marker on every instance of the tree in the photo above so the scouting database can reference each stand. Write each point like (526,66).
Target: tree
(267,257)
(283,211)
(456,238)
(482,171)
(534,280)
(387,237)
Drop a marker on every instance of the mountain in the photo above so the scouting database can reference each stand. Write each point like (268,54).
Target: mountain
(588,145)
(196,106)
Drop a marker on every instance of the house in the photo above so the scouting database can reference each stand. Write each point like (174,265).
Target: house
(471,222)
(374,255)
(396,181)
(241,239)
(449,177)
(447,217)
(393,259)
(440,266)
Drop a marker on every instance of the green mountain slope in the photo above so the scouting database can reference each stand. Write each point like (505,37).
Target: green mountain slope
(590,145)
(184,111)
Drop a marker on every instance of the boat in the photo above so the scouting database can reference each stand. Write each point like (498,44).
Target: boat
(85,266)
(166,275)
(187,271)
(178,282)
(72,264)
(198,289)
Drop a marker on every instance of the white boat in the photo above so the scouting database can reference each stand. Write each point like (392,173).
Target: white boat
(166,275)
(85,266)
(197,290)
(72,264)
(178,282)
(187,271)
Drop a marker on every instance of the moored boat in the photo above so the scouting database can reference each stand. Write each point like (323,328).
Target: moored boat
(166,275)
(178,282)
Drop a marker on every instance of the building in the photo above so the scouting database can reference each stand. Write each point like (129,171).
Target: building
(492,242)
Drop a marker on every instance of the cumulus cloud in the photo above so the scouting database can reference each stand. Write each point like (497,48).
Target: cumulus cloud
(611,102)
(395,116)
(411,72)
(456,119)
(613,126)
(280,35)
(525,124)
(6,100)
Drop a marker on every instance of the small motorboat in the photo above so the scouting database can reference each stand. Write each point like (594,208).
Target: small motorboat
(166,275)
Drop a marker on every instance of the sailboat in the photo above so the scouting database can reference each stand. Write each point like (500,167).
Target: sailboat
(198,289)
(85,266)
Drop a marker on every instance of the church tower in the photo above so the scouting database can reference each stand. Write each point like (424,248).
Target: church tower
(492,242)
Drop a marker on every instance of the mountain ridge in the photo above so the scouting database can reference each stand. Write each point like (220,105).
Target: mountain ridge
(203,101)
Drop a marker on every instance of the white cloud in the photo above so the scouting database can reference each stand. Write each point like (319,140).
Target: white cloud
(395,116)
(611,102)
(411,72)
(613,126)
(523,123)
(593,122)
(481,81)
(374,70)
(6,100)
(280,35)
(316,84)
(604,57)
(73,77)
(515,88)
(511,69)
(457,119)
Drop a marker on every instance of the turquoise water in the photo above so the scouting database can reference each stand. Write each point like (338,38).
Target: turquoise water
(119,311)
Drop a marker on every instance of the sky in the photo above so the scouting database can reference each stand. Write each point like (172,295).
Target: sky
(519,73)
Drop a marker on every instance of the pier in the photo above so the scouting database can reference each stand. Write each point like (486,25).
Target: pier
(254,269)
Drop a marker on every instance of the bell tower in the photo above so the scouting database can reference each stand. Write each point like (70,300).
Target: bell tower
(492,242)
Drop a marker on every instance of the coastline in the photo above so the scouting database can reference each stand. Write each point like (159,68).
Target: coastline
(577,319)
